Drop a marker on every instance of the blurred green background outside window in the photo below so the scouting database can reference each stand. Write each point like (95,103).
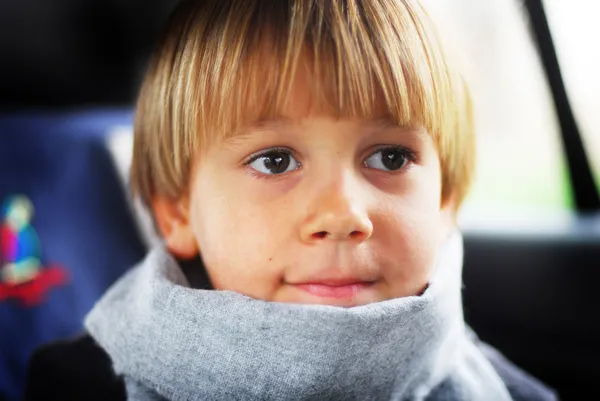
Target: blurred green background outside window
(520,162)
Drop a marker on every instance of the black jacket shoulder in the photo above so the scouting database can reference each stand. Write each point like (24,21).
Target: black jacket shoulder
(73,370)
(520,385)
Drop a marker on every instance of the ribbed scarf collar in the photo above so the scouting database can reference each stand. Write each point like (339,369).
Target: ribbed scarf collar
(172,342)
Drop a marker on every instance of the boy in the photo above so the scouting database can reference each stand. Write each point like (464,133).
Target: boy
(304,161)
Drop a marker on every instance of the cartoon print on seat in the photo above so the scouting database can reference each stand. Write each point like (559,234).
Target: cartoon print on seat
(22,275)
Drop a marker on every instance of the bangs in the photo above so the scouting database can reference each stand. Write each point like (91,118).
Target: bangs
(224,65)
(363,59)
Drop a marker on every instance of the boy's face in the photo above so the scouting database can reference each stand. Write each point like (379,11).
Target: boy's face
(317,210)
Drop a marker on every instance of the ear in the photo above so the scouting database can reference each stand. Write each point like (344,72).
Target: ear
(173,220)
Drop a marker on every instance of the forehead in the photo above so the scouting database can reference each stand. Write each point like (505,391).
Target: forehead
(319,126)
(286,123)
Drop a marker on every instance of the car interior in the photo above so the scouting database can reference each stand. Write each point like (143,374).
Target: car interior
(68,80)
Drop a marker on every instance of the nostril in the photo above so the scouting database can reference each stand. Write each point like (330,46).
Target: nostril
(356,234)
(320,234)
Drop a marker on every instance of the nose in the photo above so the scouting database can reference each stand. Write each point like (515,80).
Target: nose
(337,214)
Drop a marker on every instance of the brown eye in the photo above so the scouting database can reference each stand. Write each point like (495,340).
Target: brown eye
(274,162)
(389,159)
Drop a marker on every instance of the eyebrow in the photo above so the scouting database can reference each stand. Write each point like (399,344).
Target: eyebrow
(279,121)
(264,124)
(388,123)
(384,122)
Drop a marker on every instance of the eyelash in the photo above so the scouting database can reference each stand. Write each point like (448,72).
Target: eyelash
(411,155)
(255,156)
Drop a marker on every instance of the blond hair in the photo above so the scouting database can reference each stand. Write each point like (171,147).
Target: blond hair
(224,64)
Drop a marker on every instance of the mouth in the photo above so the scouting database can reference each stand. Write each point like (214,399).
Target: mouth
(348,291)
(337,290)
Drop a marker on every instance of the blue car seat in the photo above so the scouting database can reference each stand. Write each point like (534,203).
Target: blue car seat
(66,229)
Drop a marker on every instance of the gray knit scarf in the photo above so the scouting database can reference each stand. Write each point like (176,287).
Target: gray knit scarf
(171,342)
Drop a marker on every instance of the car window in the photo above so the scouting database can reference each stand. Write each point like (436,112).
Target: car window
(520,162)
(575,30)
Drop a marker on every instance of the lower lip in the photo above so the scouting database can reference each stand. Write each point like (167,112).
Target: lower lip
(328,291)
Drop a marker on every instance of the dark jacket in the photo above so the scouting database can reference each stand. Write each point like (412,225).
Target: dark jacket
(80,370)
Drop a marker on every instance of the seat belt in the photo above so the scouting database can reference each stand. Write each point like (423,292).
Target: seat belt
(585,193)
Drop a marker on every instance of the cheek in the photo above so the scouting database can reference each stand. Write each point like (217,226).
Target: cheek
(237,256)
(410,227)
(409,239)
(417,209)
